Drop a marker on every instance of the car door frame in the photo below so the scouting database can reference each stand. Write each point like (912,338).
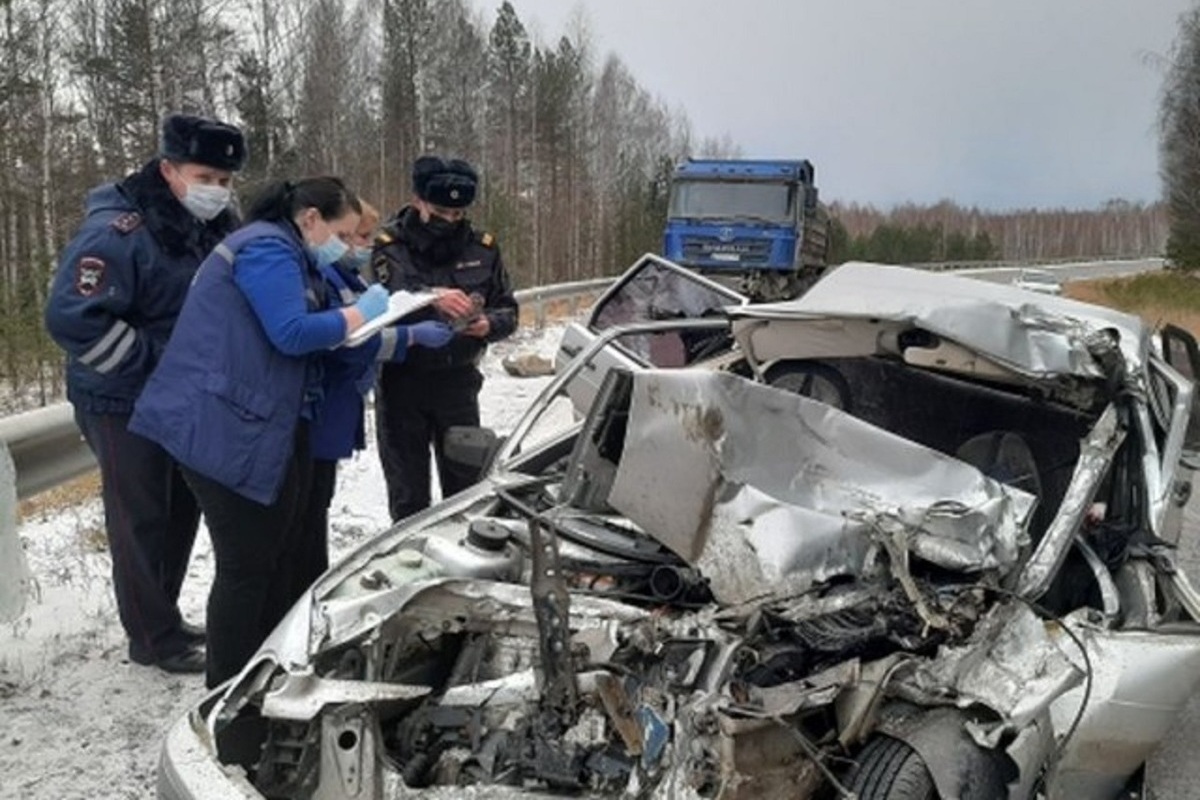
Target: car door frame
(578,336)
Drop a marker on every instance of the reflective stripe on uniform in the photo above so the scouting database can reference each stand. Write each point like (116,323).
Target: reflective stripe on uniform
(388,348)
(119,352)
(106,342)
(224,252)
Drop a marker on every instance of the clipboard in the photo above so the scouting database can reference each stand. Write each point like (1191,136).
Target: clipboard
(400,304)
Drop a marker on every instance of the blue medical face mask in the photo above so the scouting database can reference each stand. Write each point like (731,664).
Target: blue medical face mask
(356,258)
(205,202)
(329,251)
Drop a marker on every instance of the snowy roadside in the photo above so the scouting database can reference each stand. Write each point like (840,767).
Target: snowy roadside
(77,718)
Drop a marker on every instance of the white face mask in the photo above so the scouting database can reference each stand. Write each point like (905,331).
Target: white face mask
(205,201)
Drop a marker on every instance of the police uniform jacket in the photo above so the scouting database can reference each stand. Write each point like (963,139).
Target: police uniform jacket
(405,257)
(120,285)
(224,400)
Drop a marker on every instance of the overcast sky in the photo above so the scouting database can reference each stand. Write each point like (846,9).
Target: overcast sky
(997,103)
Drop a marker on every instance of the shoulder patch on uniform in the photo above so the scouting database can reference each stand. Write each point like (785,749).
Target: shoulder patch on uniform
(379,265)
(89,275)
(487,240)
(127,222)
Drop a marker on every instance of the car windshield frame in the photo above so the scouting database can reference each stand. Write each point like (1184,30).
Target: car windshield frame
(514,450)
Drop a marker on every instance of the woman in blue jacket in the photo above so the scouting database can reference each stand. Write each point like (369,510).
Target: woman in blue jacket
(349,373)
(237,386)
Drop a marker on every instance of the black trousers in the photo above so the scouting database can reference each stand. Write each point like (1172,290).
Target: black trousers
(312,554)
(413,409)
(254,546)
(151,519)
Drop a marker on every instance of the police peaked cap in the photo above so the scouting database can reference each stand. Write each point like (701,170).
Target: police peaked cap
(196,140)
(444,182)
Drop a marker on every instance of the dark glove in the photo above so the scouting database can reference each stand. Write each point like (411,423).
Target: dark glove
(372,302)
(431,334)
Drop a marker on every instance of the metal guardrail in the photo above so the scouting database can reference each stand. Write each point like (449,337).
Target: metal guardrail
(47,448)
(974,266)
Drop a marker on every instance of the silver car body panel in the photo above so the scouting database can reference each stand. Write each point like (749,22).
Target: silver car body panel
(1140,681)
(750,465)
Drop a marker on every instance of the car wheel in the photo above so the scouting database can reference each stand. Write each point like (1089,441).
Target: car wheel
(817,381)
(888,769)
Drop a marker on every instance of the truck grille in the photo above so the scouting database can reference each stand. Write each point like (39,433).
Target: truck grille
(737,252)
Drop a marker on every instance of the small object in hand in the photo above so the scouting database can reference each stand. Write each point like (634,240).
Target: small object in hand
(467,320)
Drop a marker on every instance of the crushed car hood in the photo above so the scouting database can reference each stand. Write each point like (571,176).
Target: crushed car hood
(1036,335)
(750,465)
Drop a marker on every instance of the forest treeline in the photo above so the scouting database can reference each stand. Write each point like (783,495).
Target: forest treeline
(912,234)
(574,151)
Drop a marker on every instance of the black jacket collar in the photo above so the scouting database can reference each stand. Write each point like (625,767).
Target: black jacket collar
(433,251)
(173,226)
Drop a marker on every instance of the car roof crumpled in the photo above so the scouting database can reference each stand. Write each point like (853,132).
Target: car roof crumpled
(1037,335)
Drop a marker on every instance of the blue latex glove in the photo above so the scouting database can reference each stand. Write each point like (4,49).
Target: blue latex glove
(372,302)
(431,333)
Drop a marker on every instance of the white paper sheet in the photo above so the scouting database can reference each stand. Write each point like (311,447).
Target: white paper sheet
(400,304)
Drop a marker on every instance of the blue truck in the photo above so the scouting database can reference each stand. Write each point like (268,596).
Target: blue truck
(756,225)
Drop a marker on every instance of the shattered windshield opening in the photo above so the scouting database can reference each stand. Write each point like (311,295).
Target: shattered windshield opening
(658,292)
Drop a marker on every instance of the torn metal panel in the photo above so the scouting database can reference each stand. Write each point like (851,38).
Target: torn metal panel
(1035,335)
(767,492)
(858,705)
(432,602)
(514,689)
(1029,751)
(1095,455)
(820,689)
(300,696)
(1009,664)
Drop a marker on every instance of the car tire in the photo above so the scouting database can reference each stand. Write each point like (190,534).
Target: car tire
(816,381)
(888,769)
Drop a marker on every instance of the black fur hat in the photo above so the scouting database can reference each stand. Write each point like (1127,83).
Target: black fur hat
(186,138)
(450,183)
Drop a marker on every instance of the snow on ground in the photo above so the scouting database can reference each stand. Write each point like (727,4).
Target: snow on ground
(77,718)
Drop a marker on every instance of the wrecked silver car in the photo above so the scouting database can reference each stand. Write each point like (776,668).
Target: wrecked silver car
(953,577)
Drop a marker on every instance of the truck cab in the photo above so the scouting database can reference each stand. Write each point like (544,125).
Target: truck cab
(756,225)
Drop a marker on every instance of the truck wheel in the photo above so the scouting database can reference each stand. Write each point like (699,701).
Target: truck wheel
(817,381)
(888,769)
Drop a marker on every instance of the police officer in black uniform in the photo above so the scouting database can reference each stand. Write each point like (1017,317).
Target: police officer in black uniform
(113,303)
(430,245)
